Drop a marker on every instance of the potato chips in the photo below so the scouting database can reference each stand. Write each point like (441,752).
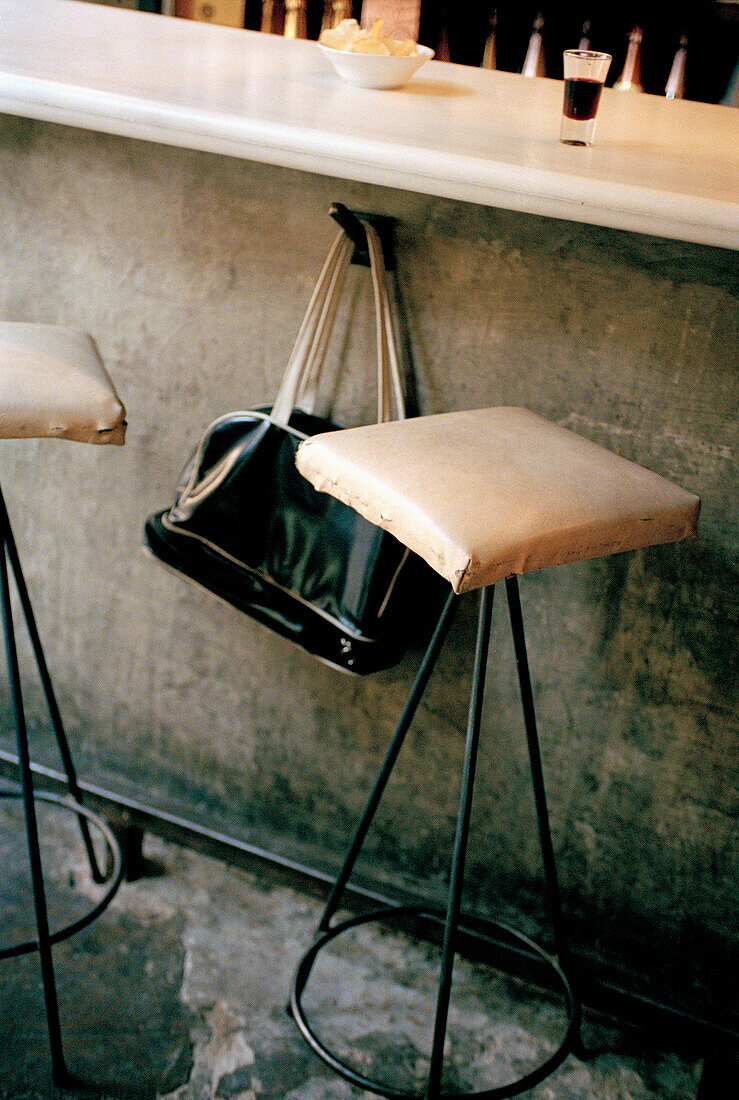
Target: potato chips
(350,37)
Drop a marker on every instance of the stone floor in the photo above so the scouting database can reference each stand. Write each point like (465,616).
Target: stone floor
(178,992)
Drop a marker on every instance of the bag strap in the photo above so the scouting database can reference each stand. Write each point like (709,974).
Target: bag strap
(316,357)
(320,313)
(390,399)
(303,372)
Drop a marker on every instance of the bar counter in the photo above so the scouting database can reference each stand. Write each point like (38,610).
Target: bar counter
(668,168)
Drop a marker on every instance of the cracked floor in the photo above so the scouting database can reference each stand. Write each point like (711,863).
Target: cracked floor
(178,992)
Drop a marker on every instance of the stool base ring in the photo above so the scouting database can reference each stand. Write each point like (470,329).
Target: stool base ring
(528,1081)
(114,878)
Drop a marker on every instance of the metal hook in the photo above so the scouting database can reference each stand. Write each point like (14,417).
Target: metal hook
(352,226)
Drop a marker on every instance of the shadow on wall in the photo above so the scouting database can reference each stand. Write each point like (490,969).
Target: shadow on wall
(652,841)
(668,626)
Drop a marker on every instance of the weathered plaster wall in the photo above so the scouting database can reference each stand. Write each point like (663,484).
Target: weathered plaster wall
(192,271)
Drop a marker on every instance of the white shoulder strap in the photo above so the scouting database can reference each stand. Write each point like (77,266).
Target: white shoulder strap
(303,372)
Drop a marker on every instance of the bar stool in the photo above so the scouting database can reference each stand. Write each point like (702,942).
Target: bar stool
(483,495)
(52,384)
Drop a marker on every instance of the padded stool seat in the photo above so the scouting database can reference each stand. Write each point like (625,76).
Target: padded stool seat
(488,493)
(481,495)
(53,383)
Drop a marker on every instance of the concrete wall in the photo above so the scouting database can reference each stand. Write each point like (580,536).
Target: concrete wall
(192,271)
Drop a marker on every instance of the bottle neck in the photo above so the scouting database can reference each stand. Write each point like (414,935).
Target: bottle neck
(295,22)
(340,9)
(490,53)
(630,79)
(534,61)
(584,43)
(267,15)
(675,87)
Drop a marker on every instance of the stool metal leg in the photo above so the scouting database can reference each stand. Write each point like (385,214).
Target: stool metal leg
(537,776)
(433,1088)
(59,1068)
(424,673)
(8,540)
(554,902)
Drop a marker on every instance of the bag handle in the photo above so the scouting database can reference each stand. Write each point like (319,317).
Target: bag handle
(389,384)
(320,312)
(390,399)
(302,375)
(316,354)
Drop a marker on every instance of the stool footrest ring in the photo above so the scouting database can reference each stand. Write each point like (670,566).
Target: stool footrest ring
(113,878)
(528,1081)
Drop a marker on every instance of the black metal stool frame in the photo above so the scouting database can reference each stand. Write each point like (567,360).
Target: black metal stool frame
(559,964)
(73,802)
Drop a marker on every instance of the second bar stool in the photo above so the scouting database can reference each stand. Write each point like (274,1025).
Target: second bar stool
(483,495)
(52,385)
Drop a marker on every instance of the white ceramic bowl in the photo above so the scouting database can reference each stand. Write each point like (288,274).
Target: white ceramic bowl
(371,70)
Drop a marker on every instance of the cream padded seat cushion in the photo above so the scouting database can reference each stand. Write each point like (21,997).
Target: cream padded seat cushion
(53,383)
(487,493)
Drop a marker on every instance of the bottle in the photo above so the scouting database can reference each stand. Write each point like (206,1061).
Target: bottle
(584,43)
(273,17)
(490,53)
(295,19)
(630,78)
(333,13)
(675,88)
(731,95)
(268,14)
(441,49)
(534,64)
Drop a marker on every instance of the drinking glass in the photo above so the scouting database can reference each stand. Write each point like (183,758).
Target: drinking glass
(585,73)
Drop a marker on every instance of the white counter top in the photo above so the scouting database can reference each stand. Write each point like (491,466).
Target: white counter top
(664,167)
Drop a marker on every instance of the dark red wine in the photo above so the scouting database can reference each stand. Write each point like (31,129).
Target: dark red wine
(582,98)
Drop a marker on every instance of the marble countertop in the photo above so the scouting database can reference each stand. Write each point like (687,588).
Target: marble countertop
(668,168)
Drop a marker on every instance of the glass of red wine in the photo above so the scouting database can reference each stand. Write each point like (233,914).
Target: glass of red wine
(585,72)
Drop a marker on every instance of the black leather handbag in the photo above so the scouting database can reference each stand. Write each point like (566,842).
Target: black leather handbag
(249,528)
